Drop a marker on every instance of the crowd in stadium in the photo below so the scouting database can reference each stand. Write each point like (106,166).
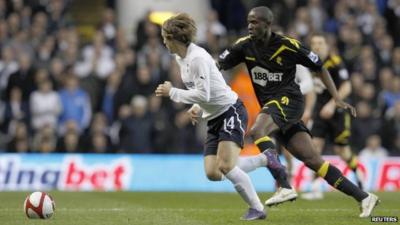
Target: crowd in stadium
(62,94)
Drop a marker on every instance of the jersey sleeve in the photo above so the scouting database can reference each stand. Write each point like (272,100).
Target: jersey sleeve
(201,91)
(308,58)
(231,56)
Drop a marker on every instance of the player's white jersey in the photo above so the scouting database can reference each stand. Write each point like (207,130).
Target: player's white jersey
(304,79)
(205,84)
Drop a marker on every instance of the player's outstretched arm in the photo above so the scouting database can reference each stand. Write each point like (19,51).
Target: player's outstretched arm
(330,85)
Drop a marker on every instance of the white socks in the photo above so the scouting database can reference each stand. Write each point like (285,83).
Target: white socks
(250,163)
(244,187)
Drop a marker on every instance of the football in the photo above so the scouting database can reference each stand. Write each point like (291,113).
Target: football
(39,205)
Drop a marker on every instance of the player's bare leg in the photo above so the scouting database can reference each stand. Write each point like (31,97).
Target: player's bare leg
(211,168)
(224,165)
(300,145)
(347,155)
(263,126)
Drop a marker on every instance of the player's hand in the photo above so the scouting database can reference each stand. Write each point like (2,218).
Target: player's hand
(194,114)
(328,110)
(163,89)
(344,105)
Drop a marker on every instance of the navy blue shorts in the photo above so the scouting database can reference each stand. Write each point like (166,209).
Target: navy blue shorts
(229,126)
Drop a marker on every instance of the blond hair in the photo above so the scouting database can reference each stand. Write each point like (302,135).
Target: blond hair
(180,27)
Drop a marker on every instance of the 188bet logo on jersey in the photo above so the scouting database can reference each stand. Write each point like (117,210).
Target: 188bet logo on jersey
(262,76)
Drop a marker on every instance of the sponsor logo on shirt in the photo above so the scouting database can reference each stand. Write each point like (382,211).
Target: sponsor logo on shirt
(262,76)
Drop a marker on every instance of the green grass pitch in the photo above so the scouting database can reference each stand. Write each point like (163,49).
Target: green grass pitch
(176,208)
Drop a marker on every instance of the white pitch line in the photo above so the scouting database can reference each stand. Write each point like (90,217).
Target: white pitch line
(188,210)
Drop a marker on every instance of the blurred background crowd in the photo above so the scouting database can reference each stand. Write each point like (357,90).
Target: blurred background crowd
(66,90)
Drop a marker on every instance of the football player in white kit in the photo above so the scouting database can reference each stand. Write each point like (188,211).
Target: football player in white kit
(214,100)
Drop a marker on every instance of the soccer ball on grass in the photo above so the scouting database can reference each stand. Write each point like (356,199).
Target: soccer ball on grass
(39,205)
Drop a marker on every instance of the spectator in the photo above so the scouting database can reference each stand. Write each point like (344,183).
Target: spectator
(99,124)
(364,125)
(391,128)
(4,37)
(154,46)
(392,15)
(135,134)
(56,72)
(67,45)
(184,134)
(26,15)
(45,52)
(75,104)
(367,93)
(232,14)
(351,40)
(392,95)
(373,149)
(13,21)
(357,82)
(3,9)
(93,139)
(162,125)
(57,17)
(99,143)
(70,143)
(115,129)
(317,14)
(302,22)
(19,138)
(385,47)
(396,60)
(15,110)
(69,56)
(108,103)
(17,6)
(369,71)
(127,86)
(121,42)
(385,83)
(212,26)
(108,26)
(144,30)
(23,78)
(45,105)
(97,59)
(8,66)
(144,83)
(38,29)
(45,140)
